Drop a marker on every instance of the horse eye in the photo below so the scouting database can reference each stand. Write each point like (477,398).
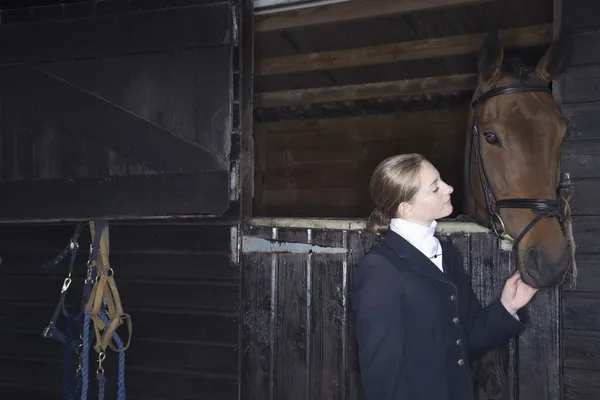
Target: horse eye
(491,138)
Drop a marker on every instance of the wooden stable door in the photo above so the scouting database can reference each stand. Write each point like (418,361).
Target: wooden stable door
(126,111)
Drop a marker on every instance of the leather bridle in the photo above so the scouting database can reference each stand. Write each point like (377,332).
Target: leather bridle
(543,208)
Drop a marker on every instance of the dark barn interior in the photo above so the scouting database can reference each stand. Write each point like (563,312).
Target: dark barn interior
(330,101)
(333,100)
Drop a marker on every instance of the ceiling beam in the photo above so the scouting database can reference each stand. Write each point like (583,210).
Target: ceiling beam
(264,7)
(348,11)
(403,88)
(535,35)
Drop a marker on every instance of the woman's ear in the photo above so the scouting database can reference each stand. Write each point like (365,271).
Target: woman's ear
(404,210)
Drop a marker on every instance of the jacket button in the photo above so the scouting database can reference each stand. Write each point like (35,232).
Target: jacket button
(455,320)
(458,342)
(453,298)
(461,362)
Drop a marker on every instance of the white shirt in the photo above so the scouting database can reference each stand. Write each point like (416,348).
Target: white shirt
(421,237)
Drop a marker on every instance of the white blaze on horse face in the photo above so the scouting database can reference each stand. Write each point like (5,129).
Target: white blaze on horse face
(432,201)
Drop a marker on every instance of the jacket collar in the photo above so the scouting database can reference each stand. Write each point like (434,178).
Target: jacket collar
(418,261)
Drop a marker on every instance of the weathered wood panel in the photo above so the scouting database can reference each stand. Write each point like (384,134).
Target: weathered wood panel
(580,84)
(580,100)
(319,168)
(287,294)
(578,14)
(581,384)
(125,32)
(582,349)
(176,280)
(128,96)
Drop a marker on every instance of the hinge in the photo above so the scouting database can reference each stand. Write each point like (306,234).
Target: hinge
(236,25)
(234,181)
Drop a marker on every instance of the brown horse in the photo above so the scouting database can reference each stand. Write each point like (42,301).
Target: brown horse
(512,163)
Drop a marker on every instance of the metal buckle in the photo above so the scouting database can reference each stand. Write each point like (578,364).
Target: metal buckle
(502,235)
(47,332)
(66,284)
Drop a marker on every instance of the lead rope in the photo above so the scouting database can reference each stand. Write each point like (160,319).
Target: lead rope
(568,224)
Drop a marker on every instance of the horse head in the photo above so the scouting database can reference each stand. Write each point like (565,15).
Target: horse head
(512,163)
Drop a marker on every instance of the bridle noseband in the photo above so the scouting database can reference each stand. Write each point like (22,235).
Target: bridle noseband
(544,208)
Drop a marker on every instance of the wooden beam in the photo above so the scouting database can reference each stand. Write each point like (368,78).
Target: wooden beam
(157,195)
(385,125)
(534,35)
(352,10)
(404,88)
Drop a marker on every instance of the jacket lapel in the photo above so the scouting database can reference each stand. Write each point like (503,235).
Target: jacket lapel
(418,261)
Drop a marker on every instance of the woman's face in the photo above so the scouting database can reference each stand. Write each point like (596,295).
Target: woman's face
(432,200)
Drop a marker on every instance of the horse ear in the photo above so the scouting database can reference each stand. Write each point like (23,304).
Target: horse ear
(491,55)
(557,58)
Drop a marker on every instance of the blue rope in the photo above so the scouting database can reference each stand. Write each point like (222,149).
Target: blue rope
(85,356)
(121,394)
(67,383)
(101,382)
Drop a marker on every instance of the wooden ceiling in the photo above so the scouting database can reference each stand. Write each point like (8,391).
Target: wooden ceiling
(360,53)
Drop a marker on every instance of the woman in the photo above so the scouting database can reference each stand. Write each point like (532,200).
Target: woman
(417,319)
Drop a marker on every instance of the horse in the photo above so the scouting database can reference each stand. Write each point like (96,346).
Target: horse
(511,172)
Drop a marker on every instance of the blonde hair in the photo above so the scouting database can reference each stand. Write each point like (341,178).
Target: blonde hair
(395,180)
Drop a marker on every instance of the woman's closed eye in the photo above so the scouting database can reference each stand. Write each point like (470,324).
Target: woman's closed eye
(436,190)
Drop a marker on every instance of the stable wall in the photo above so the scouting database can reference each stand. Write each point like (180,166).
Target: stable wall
(176,280)
(321,168)
(580,95)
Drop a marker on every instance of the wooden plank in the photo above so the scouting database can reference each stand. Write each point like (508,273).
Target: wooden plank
(586,230)
(134,239)
(588,273)
(535,35)
(386,124)
(142,383)
(583,120)
(352,10)
(29,88)
(404,88)
(581,384)
(585,193)
(327,328)
(579,14)
(292,330)
(580,311)
(489,267)
(580,84)
(173,294)
(112,35)
(247,153)
(585,47)
(200,357)
(201,327)
(116,197)
(582,349)
(257,340)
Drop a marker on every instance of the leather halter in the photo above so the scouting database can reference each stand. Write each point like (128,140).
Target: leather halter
(543,208)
